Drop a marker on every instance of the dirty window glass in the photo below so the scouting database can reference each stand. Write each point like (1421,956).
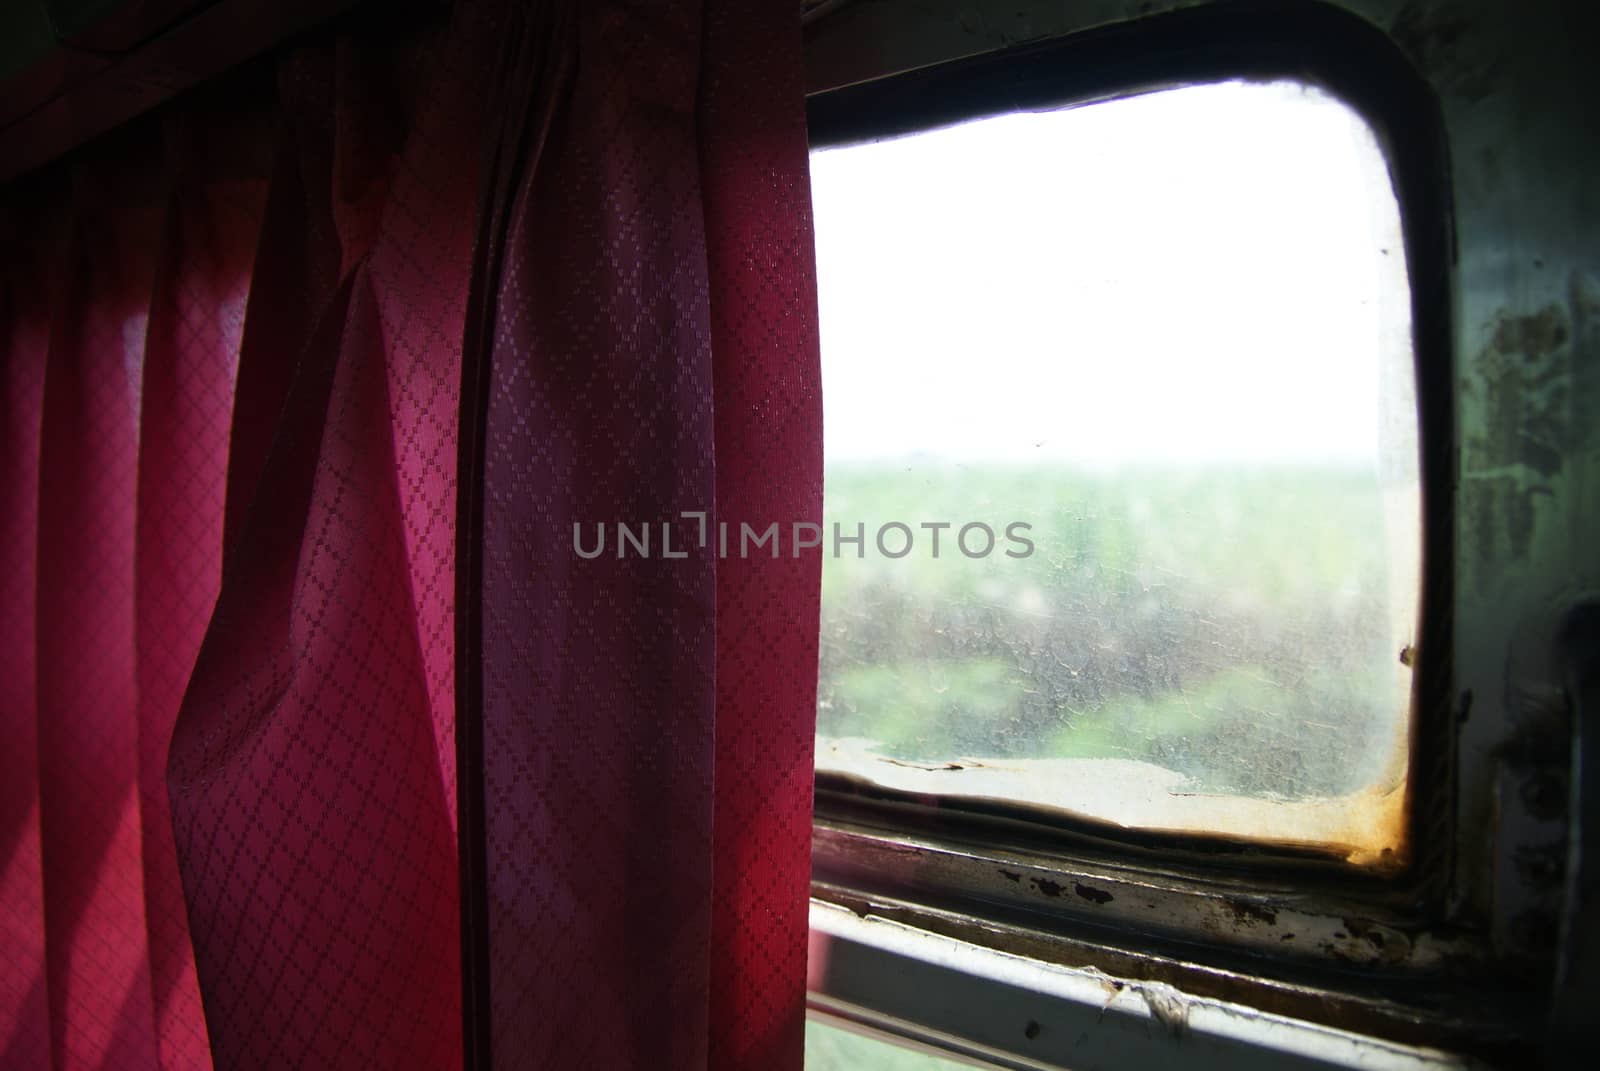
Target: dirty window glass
(1122,504)
(835,1048)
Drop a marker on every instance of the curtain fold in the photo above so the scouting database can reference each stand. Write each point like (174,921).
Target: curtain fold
(755,186)
(31,287)
(646,722)
(311,770)
(91,837)
(306,795)
(315,753)
(597,677)
(212,222)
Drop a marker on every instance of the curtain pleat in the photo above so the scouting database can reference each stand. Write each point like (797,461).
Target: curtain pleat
(598,712)
(311,770)
(755,186)
(229,791)
(191,344)
(96,959)
(32,283)
(313,833)
(647,721)
(298,725)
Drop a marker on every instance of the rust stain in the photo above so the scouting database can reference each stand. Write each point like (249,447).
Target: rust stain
(1522,372)
(1527,427)
(1391,945)
(1531,336)
(1252,914)
(1366,828)
(1091,894)
(1375,827)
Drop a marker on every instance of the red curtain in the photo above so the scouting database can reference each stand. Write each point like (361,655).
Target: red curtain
(252,617)
(647,723)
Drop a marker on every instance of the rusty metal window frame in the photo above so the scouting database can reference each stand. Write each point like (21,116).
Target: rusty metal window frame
(1287,931)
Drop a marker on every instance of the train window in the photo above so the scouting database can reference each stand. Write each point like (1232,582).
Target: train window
(1122,507)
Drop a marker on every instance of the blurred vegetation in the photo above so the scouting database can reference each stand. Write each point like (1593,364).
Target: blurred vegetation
(830,1048)
(1229,624)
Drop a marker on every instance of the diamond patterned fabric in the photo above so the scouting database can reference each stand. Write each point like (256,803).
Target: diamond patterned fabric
(312,801)
(192,340)
(233,338)
(98,980)
(28,288)
(647,722)
(755,182)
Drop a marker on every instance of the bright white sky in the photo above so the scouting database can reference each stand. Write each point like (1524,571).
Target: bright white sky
(1204,274)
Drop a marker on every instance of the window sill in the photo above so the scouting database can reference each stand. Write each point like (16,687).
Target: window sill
(972,1002)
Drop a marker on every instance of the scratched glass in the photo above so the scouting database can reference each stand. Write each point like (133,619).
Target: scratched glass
(1168,337)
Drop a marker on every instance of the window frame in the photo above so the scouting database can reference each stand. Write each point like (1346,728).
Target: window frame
(1275,927)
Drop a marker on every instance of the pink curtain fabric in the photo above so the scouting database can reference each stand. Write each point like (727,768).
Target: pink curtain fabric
(647,722)
(253,619)
(31,280)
